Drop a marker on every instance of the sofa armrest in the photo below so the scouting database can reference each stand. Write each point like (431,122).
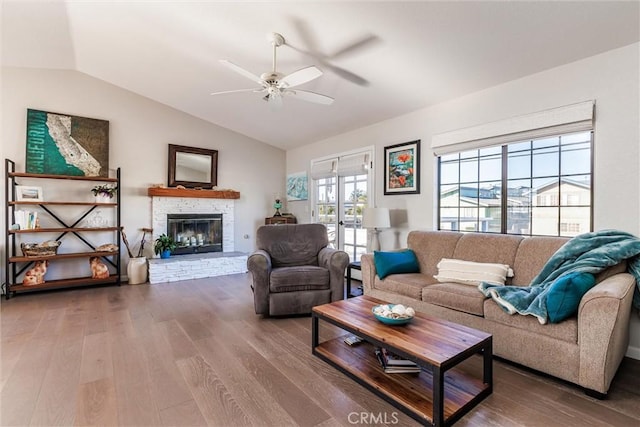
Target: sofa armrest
(603,330)
(259,265)
(336,262)
(368,269)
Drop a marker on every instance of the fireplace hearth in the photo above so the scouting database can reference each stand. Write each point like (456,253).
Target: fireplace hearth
(195,233)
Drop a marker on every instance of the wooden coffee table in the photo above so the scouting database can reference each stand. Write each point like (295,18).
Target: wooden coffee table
(440,394)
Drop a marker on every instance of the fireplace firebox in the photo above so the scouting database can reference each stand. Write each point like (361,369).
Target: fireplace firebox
(195,233)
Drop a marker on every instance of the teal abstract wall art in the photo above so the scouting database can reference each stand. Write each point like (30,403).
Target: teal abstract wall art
(297,186)
(59,144)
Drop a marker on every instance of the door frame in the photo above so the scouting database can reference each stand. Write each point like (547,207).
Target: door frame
(340,182)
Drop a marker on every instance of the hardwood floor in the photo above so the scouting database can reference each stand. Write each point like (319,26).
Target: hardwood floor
(194,353)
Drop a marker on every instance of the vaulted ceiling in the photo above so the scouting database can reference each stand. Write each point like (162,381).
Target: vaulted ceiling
(380,59)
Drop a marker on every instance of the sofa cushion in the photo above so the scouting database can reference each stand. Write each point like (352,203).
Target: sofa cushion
(471,273)
(408,284)
(431,246)
(395,262)
(564,295)
(455,296)
(566,331)
(300,278)
(494,248)
(533,253)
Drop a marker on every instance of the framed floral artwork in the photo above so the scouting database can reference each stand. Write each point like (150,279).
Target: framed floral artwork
(402,168)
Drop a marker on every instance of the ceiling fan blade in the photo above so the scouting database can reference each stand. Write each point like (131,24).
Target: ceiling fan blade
(238,91)
(299,77)
(305,34)
(347,75)
(306,95)
(365,42)
(243,72)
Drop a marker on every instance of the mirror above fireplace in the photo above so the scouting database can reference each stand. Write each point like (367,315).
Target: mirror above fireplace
(192,167)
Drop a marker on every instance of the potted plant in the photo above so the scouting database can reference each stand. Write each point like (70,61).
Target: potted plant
(164,245)
(104,193)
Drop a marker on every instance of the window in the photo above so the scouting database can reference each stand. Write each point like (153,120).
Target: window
(547,184)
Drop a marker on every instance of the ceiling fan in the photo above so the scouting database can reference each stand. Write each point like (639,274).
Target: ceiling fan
(275,85)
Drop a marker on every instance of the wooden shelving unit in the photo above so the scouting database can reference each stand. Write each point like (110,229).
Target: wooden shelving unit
(17,264)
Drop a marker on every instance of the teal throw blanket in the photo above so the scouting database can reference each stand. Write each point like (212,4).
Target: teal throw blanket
(586,253)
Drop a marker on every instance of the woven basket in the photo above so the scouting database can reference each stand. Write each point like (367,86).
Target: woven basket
(40,249)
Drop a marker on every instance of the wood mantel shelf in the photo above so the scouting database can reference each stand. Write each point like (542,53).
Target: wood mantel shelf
(188,192)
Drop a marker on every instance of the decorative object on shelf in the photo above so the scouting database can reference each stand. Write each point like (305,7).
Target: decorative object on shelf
(47,248)
(60,144)
(192,167)
(98,269)
(26,220)
(277,205)
(107,247)
(104,193)
(97,220)
(297,186)
(164,245)
(26,193)
(375,218)
(35,276)
(402,168)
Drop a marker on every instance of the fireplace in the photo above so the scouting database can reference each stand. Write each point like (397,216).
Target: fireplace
(195,233)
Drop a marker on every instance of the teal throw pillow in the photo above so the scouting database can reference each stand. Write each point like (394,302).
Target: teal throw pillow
(564,295)
(395,262)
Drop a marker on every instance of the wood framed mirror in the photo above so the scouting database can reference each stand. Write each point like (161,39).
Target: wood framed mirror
(192,167)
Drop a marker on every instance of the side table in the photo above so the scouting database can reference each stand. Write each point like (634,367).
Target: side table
(281,219)
(352,266)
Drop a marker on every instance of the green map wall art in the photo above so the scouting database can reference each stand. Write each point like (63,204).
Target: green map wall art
(59,144)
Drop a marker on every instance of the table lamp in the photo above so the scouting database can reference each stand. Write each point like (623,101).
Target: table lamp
(375,218)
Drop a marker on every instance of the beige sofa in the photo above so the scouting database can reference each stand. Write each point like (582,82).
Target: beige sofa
(586,349)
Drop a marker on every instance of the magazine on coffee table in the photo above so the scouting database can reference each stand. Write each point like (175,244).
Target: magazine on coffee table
(393,364)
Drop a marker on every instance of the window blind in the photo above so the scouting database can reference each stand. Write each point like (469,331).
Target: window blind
(324,169)
(567,119)
(355,164)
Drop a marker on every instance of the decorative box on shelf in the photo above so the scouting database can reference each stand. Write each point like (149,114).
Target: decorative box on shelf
(48,248)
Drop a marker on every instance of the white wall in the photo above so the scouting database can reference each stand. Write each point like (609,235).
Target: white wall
(140,130)
(611,79)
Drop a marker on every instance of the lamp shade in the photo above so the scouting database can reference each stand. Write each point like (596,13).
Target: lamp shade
(376,218)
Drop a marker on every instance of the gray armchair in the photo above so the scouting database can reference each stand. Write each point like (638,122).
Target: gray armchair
(293,269)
